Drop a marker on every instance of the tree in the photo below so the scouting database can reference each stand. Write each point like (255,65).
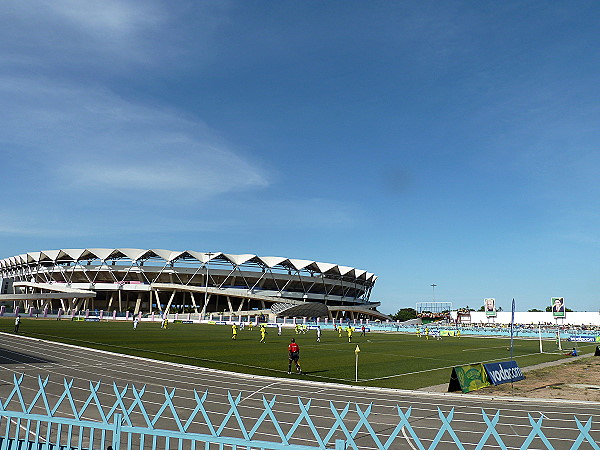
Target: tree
(549,309)
(404,314)
(534,310)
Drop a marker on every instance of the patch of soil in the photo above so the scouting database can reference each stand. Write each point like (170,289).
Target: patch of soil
(578,379)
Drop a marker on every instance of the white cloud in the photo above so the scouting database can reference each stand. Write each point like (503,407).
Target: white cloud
(107,17)
(94,139)
(71,34)
(67,132)
(75,152)
(67,36)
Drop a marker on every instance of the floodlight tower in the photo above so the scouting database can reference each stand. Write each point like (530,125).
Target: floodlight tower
(433,288)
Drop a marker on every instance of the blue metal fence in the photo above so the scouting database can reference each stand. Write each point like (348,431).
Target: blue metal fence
(125,422)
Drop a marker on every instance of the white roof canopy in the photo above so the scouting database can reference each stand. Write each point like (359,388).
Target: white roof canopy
(171,256)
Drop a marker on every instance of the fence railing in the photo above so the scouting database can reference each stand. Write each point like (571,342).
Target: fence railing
(126,421)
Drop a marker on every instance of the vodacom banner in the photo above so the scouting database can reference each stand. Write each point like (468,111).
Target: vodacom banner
(476,376)
(503,372)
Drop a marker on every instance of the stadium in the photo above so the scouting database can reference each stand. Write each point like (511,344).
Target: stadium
(158,280)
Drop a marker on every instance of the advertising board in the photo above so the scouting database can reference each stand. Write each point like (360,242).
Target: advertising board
(468,378)
(489,305)
(582,338)
(503,372)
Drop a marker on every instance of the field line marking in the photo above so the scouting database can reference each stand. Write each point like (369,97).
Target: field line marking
(436,368)
(480,348)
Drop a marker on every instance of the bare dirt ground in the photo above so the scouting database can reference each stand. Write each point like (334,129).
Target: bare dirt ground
(572,379)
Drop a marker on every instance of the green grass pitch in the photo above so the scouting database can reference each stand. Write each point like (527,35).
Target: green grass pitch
(386,359)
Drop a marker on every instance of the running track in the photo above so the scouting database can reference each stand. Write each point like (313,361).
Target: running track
(33,357)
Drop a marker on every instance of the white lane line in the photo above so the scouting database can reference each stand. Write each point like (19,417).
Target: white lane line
(247,397)
(182,366)
(313,384)
(407,438)
(29,431)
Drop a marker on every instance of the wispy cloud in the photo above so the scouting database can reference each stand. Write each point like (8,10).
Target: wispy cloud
(79,149)
(76,34)
(94,139)
(57,126)
(75,150)
(68,36)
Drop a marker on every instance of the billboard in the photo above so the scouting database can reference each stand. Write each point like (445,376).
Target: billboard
(489,306)
(558,306)
(468,378)
(583,338)
(503,372)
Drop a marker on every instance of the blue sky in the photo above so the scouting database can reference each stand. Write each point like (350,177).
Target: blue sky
(453,143)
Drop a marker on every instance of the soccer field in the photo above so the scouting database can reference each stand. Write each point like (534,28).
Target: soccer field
(385,359)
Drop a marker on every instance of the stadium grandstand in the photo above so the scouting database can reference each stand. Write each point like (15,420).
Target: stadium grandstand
(159,281)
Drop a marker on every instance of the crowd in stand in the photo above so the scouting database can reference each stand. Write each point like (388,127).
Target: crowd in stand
(504,328)
(434,316)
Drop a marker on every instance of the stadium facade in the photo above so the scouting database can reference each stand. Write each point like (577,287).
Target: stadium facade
(158,280)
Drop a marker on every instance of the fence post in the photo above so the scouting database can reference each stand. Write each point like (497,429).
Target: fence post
(116,440)
(340,444)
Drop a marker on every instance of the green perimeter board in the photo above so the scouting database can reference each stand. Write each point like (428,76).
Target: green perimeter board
(468,378)
(392,360)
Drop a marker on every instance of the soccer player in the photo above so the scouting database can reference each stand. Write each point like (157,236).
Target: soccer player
(349,331)
(234,332)
(294,356)
(363,330)
(318,334)
(135,323)
(418,332)
(339,330)
(263,334)
(17,323)
(165,322)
